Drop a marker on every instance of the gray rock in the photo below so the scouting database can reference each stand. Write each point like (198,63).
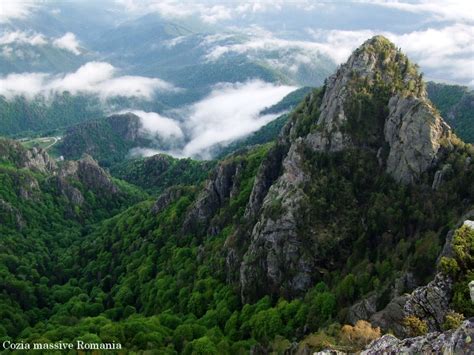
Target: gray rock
(277,260)
(267,173)
(219,188)
(431,302)
(471,290)
(89,173)
(459,341)
(391,317)
(39,160)
(413,131)
(363,309)
(438,178)
(169,196)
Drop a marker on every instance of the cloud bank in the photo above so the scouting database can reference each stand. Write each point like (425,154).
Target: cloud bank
(96,78)
(20,37)
(67,42)
(229,112)
(11,9)
(156,124)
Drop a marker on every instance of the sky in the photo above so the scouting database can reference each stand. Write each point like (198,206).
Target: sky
(436,34)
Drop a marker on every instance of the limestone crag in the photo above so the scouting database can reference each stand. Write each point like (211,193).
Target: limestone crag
(277,260)
(39,160)
(413,131)
(459,341)
(219,188)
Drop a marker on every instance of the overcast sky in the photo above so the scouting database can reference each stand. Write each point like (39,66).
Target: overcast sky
(438,34)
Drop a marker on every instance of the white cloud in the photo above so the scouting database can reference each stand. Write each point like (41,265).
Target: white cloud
(13,9)
(27,84)
(20,37)
(444,53)
(210,12)
(229,112)
(68,42)
(442,10)
(155,124)
(97,78)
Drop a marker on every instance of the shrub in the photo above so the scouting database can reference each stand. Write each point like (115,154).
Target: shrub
(415,326)
(452,320)
(359,335)
(448,266)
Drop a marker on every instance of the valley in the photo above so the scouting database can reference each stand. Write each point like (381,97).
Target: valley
(173,181)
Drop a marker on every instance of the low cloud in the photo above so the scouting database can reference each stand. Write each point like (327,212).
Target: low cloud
(11,9)
(20,37)
(96,78)
(155,124)
(229,112)
(68,42)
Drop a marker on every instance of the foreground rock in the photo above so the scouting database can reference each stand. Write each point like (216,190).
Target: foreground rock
(459,341)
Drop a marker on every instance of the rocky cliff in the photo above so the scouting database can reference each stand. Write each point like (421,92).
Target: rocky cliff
(376,102)
(459,341)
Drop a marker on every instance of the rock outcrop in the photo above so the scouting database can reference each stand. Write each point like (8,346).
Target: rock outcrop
(88,171)
(459,341)
(39,160)
(415,121)
(277,259)
(407,137)
(222,185)
(169,196)
(413,129)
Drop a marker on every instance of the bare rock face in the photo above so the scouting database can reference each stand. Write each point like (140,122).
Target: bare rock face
(219,188)
(459,341)
(363,309)
(89,173)
(39,160)
(277,260)
(431,302)
(267,173)
(9,213)
(94,177)
(126,125)
(413,131)
(169,196)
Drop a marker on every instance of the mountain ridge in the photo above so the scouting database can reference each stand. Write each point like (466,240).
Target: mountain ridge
(280,243)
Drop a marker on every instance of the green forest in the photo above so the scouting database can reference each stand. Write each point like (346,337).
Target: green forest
(178,256)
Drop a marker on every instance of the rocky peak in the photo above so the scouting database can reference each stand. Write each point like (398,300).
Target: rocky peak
(377,100)
(88,171)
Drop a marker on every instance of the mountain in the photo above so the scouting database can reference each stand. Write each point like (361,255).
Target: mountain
(108,140)
(355,213)
(456,105)
(161,171)
(111,139)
